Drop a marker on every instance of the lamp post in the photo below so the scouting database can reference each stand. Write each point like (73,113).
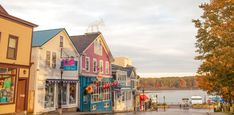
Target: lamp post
(143,91)
(60,109)
(164,103)
(156,102)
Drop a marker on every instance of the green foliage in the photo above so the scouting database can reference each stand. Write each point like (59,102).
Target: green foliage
(215,47)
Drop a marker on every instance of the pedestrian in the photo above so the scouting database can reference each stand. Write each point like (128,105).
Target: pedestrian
(150,103)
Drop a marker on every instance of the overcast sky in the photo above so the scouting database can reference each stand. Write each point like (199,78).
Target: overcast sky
(157,35)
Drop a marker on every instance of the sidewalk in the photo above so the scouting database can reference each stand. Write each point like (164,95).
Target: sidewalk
(78,113)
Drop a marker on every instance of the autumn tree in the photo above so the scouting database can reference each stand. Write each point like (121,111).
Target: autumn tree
(215,48)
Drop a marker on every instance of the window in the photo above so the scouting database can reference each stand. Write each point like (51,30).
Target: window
(100,94)
(87,63)
(7,85)
(61,41)
(47,58)
(107,67)
(72,95)
(12,47)
(53,60)
(95,65)
(101,66)
(106,93)
(98,47)
(49,94)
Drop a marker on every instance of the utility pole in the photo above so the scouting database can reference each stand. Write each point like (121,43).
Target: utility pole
(164,103)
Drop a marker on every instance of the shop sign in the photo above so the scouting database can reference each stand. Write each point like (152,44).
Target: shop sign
(69,65)
(99,77)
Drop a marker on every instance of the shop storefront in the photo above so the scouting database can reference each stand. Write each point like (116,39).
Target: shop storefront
(8,78)
(95,95)
(49,94)
(13,88)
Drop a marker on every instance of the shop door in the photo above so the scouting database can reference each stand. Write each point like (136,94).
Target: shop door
(21,95)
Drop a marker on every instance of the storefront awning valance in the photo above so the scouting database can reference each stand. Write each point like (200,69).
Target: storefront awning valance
(63,80)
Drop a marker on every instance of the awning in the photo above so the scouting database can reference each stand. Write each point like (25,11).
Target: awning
(63,80)
(143,97)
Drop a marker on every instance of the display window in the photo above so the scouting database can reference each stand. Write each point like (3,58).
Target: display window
(100,93)
(72,93)
(7,85)
(49,94)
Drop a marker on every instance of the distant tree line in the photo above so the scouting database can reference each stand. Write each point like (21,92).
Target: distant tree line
(168,83)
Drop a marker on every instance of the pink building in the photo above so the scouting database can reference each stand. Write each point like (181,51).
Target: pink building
(95,72)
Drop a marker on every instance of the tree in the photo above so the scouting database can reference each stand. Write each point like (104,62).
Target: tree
(215,48)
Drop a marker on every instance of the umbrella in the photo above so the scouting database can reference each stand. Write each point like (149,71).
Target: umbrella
(144,97)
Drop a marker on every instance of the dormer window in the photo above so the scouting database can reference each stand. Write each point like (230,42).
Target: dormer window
(98,47)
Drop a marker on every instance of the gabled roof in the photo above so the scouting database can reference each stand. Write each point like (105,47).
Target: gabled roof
(4,14)
(43,36)
(81,42)
(130,69)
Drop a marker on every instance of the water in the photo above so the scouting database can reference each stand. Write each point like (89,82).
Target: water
(175,96)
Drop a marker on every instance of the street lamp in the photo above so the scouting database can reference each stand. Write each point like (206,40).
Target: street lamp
(143,91)
(61,89)
(156,102)
(164,103)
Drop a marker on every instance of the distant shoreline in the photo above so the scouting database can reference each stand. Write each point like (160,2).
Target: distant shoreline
(171,89)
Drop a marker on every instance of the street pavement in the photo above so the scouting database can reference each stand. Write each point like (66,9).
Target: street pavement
(173,112)
(160,112)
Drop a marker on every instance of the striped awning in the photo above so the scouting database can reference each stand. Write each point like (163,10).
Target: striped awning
(63,80)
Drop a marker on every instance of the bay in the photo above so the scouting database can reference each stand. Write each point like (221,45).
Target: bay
(175,96)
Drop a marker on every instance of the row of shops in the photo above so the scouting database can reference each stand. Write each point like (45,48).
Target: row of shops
(42,71)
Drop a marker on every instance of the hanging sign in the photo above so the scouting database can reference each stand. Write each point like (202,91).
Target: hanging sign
(69,64)
(99,77)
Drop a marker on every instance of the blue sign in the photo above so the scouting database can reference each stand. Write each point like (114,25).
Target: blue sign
(69,65)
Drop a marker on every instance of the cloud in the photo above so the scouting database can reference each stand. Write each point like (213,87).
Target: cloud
(157,35)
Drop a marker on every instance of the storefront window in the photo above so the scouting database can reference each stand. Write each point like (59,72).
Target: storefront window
(64,94)
(106,93)
(100,93)
(7,85)
(49,94)
(72,95)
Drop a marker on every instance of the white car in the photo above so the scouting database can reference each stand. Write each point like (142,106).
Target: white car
(196,100)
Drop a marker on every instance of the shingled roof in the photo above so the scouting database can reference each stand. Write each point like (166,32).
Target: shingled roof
(81,42)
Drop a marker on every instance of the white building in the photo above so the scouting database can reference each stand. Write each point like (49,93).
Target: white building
(122,96)
(51,49)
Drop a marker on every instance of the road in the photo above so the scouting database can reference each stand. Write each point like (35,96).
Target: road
(174,112)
